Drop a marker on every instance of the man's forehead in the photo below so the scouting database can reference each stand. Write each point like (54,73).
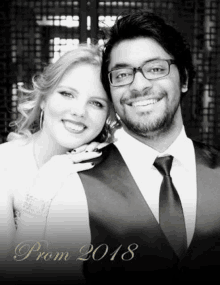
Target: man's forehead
(136,51)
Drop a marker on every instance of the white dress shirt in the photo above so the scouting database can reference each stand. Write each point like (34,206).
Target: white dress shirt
(140,158)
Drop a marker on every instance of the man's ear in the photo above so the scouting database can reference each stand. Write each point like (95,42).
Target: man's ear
(185,85)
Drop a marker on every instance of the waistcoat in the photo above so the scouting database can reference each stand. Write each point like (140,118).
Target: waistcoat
(127,243)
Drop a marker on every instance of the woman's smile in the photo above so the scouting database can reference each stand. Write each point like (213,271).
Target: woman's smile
(74,127)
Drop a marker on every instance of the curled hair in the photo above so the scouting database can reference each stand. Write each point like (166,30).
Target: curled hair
(145,24)
(44,84)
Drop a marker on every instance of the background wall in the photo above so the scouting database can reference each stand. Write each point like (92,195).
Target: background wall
(34,33)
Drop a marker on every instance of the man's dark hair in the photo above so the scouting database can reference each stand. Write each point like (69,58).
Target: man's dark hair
(146,24)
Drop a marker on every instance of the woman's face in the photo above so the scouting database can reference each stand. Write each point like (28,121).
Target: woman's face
(76,111)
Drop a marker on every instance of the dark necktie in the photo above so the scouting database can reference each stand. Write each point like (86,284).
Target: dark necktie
(171,216)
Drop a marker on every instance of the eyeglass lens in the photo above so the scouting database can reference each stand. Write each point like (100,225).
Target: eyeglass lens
(151,70)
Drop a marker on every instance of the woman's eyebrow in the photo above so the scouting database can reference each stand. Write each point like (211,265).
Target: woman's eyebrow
(100,98)
(67,87)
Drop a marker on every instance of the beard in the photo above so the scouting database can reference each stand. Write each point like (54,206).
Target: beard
(151,128)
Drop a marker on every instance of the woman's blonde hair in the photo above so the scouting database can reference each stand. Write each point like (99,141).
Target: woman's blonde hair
(28,121)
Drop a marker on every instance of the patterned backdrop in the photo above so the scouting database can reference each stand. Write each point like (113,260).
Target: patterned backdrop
(34,33)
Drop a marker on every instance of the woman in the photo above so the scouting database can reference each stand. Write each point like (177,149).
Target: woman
(66,110)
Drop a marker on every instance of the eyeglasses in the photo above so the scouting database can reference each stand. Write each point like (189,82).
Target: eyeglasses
(151,70)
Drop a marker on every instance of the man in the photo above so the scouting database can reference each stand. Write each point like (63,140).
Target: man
(147,228)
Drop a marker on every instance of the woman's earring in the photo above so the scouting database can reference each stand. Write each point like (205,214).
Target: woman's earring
(184,88)
(117,116)
(41,118)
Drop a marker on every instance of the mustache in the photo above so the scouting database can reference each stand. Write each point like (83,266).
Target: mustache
(146,94)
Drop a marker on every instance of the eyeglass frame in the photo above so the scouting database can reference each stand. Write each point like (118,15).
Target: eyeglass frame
(140,68)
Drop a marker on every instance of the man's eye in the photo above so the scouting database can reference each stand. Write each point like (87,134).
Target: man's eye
(157,69)
(122,75)
(66,94)
(97,104)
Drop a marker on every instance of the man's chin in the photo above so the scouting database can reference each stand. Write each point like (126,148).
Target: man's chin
(149,130)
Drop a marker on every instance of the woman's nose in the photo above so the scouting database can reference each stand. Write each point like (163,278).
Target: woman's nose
(78,109)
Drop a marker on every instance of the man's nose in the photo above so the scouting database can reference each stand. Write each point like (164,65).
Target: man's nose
(140,82)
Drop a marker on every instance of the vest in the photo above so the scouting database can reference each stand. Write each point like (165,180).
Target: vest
(128,245)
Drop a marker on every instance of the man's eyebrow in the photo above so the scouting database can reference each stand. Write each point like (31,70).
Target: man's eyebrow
(125,65)
(120,65)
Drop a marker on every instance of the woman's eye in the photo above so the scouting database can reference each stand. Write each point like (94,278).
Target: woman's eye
(66,94)
(97,104)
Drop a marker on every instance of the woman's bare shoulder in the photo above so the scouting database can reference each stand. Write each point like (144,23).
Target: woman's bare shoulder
(13,151)
(11,145)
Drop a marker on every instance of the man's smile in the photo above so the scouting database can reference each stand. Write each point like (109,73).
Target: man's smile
(142,103)
(145,102)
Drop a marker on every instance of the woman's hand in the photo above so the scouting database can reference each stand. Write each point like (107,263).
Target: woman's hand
(92,147)
(73,161)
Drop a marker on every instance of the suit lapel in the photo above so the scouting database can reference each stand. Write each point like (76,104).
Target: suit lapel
(208,200)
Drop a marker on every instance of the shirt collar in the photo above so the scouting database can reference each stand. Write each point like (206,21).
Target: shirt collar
(133,149)
(181,149)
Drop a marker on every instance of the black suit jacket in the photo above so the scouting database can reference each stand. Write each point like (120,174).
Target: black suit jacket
(128,244)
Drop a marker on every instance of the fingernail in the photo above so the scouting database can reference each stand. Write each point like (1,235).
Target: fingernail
(97,150)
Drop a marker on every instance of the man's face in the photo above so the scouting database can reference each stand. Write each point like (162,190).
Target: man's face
(146,107)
